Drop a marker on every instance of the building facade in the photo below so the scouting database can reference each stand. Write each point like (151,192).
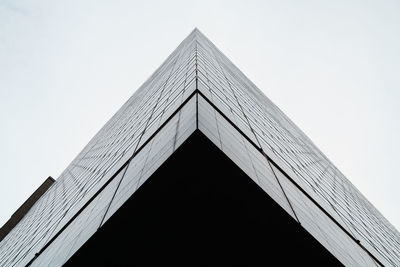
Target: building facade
(198,91)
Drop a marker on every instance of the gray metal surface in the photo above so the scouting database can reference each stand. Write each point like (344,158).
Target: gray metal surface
(198,87)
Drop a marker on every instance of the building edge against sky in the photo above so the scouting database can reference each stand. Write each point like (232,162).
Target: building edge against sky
(197,87)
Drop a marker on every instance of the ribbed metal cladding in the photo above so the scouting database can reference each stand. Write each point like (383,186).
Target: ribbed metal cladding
(197,87)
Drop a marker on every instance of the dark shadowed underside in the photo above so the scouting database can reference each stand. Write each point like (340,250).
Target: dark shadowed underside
(199,208)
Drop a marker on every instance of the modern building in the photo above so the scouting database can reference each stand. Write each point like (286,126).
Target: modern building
(199,167)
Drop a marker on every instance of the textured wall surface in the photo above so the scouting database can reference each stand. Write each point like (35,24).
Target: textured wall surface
(197,87)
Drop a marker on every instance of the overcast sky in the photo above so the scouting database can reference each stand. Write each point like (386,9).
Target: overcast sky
(332,66)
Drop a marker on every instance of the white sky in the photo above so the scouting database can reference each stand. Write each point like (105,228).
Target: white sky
(332,66)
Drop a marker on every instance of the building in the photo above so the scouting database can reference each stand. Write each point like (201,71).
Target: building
(199,167)
(25,207)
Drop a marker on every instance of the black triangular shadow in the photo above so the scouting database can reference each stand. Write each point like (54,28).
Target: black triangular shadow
(199,208)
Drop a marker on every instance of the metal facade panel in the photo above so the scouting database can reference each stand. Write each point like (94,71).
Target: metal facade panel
(198,87)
